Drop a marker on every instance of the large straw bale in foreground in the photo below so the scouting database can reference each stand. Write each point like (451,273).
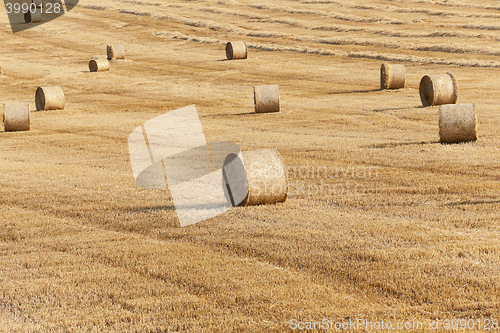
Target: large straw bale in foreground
(457,123)
(16,116)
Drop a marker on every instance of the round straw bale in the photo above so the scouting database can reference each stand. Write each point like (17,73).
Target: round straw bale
(457,123)
(392,76)
(438,89)
(115,52)
(38,3)
(99,65)
(33,17)
(255,177)
(266,98)
(236,50)
(16,116)
(49,98)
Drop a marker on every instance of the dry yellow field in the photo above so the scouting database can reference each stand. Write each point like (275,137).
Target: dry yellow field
(401,229)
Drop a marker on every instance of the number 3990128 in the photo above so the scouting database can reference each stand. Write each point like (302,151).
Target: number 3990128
(49,8)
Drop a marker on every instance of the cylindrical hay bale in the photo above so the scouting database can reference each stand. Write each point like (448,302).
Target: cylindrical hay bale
(256,177)
(457,123)
(16,116)
(438,89)
(115,52)
(392,76)
(266,98)
(33,17)
(99,65)
(38,3)
(49,98)
(236,50)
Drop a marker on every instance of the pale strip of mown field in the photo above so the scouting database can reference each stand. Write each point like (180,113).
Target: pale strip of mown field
(83,249)
(292,26)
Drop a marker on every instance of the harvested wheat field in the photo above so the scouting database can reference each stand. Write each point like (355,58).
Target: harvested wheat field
(382,222)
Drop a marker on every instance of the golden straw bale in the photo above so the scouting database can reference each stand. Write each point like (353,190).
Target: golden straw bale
(99,65)
(16,116)
(49,98)
(115,52)
(266,98)
(438,89)
(457,123)
(392,76)
(256,177)
(236,50)
(33,17)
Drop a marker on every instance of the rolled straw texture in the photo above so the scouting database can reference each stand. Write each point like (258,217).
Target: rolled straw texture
(49,98)
(266,98)
(99,65)
(115,52)
(34,17)
(392,76)
(16,116)
(256,177)
(457,123)
(236,50)
(438,89)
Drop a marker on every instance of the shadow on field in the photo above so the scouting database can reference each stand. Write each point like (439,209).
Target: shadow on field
(354,92)
(472,202)
(147,209)
(399,144)
(232,114)
(400,108)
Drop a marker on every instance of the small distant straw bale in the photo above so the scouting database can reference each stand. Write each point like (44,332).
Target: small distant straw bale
(236,50)
(115,52)
(438,89)
(33,17)
(266,98)
(457,123)
(16,116)
(49,98)
(392,76)
(99,65)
